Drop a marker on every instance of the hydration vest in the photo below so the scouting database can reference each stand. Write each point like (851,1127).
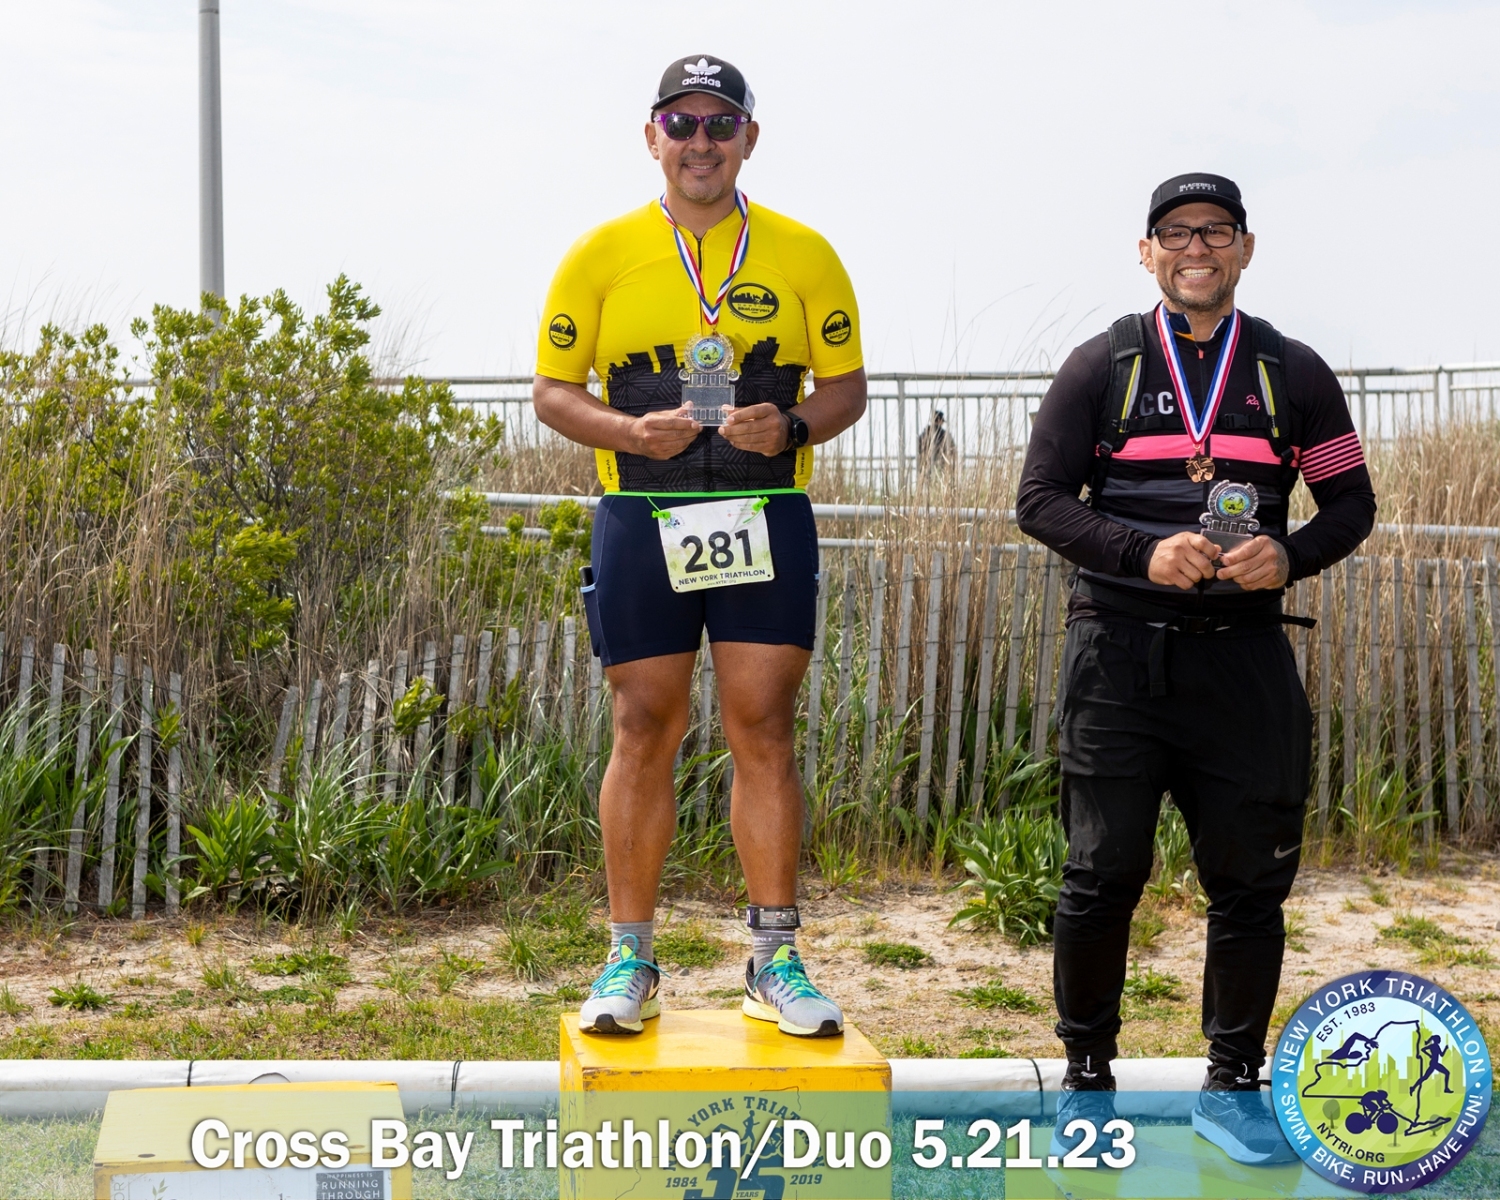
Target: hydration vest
(1139,476)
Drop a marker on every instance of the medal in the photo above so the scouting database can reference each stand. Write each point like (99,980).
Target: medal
(707,376)
(1200,467)
(1230,519)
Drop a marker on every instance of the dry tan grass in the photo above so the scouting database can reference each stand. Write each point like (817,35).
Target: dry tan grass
(1439,477)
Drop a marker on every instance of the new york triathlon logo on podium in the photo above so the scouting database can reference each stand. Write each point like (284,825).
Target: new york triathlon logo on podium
(1381,1081)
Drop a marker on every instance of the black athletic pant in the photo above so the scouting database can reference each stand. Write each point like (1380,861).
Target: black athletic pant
(1231,742)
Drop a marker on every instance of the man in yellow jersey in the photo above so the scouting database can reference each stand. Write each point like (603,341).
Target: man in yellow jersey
(702,315)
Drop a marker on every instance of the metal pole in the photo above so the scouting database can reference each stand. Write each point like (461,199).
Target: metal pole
(210,153)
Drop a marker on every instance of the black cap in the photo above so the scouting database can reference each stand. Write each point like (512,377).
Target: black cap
(1197,187)
(709,75)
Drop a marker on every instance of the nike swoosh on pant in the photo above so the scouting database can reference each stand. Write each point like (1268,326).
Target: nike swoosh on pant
(1280,853)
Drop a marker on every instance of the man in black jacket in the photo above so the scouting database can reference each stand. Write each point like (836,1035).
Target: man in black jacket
(1188,426)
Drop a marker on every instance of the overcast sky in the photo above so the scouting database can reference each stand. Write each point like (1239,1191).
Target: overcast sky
(982,168)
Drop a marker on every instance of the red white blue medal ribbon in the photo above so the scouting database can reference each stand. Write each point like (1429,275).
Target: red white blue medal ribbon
(1198,424)
(690,264)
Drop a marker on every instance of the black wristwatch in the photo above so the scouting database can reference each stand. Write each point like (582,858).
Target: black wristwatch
(797,432)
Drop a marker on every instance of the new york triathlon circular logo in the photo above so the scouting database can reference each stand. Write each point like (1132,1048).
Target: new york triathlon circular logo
(1381,1081)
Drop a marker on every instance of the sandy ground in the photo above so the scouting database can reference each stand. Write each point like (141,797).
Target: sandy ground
(1335,918)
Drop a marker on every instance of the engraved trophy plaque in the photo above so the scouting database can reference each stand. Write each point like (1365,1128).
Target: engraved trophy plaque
(1230,519)
(708,378)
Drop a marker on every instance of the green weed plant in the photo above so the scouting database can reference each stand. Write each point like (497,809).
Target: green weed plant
(997,995)
(1014,865)
(896,954)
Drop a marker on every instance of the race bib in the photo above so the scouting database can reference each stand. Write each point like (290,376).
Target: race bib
(717,544)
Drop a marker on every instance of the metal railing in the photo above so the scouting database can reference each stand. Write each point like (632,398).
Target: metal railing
(991,413)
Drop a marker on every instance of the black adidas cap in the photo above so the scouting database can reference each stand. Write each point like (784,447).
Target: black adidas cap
(1191,189)
(709,75)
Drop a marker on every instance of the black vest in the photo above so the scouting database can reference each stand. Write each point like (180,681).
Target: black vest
(1143,482)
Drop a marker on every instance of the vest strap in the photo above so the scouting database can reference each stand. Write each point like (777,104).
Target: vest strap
(1127,351)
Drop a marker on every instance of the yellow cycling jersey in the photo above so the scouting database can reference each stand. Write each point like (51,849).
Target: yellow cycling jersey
(622,303)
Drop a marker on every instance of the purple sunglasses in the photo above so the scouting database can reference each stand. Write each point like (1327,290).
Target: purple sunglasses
(720,127)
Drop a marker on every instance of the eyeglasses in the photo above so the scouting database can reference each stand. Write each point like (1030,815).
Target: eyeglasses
(720,127)
(1219,236)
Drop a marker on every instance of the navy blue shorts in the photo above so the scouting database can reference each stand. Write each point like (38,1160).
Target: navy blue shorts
(634,613)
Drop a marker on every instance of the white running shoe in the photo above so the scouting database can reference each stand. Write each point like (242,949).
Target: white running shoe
(781,991)
(624,995)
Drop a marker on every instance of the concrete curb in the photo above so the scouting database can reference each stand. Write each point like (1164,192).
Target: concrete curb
(71,1087)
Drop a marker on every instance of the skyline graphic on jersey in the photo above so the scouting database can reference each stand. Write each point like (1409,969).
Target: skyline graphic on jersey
(637,386)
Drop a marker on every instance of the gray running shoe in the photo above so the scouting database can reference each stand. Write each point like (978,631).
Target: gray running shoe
(781,991)
(624,995)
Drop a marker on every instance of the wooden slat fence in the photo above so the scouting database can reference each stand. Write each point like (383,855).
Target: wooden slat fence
(934,673)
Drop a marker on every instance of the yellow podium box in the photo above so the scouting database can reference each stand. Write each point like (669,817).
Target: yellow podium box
(697,1108)
(145,1147)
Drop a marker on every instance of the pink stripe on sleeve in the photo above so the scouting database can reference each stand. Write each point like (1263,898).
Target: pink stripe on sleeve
(1332,457)
(1338,445)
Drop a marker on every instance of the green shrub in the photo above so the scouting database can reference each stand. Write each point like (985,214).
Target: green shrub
(417,706)
(1014,863)
(79,996)
(288,994)
(1434,944)
(895,954)
(10,1003)
(1149,986)
(233,850)
(224,977)
(840,866)
(995,994)
(300,962)
(576,943)
(521,953)
(1418,931)
(1378,894)
(303,480)
(429,852)
(1380,817)
(264,498)
(403,978)
(454,969)
(1174,877)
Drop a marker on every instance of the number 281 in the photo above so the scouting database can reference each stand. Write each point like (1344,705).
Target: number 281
(720,551)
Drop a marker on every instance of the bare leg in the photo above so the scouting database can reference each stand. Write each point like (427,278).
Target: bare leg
(757,691)
(637,801)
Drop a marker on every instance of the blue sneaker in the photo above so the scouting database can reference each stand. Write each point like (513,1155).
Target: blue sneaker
(624,995)
(1088,1094)
(1231,1114)
(781,991)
